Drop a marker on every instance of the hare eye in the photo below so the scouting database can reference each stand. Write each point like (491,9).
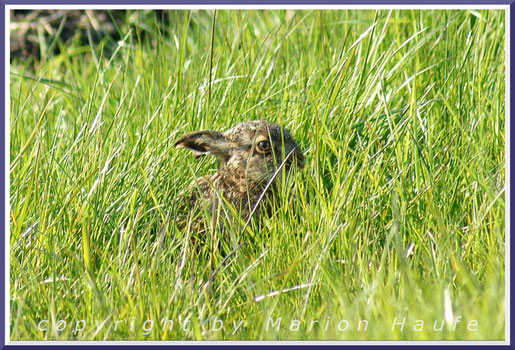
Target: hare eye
(264,146)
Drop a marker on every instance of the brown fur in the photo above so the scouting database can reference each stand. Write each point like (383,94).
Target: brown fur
(245,168)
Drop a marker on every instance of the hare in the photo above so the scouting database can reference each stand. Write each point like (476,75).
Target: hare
(249,156)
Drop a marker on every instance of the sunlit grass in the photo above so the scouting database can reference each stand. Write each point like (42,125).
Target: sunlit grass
(399,211)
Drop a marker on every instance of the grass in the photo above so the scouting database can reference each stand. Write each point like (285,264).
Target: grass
(399,212)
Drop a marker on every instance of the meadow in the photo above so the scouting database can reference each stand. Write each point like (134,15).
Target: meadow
(398,213)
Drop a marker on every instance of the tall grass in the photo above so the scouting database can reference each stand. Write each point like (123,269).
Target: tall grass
(398,213)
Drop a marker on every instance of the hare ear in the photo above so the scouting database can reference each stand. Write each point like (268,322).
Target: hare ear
(204,142)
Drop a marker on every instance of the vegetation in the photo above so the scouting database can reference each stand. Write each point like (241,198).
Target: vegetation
(399,211)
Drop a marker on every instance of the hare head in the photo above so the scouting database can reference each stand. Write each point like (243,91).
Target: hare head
(249,154)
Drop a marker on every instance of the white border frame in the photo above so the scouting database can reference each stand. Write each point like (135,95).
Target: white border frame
(507,340)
